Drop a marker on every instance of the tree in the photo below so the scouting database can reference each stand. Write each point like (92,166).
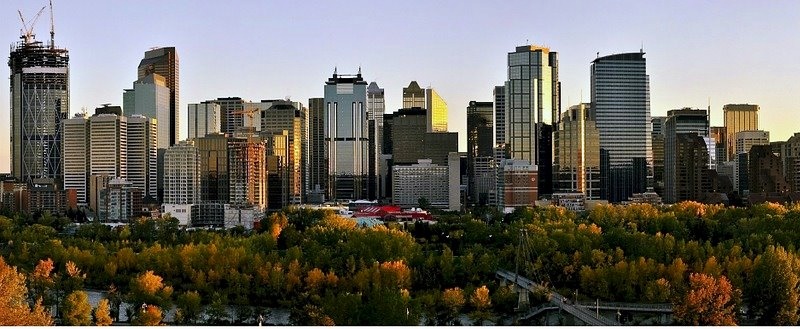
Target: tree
(708,302)
(102,314)
(149,315)
(149,288)
(452,301)
(482,303)
(77,310)
(13,300)
(773,288)
(189,307)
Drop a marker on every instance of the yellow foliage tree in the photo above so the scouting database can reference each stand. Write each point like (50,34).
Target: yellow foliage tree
(150,315)
(77,310)
(102,313)
(14,307)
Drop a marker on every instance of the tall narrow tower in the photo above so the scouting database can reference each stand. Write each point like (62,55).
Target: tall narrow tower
(39,104)
(164,62)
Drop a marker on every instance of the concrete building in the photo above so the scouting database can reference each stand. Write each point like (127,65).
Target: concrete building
(692,178)
(409,141)
(746,139)
(790,154)
(718,134)
(347,137)
(119,202)
(577,153)
(108,145)
(182,174)
(454,179)
(765,172)
(204,118)
(410,183)
(247,172)
(683,121)
(376,108)
(738,117)
(44,196)
(658,153)
(76,159)
(164,62)
(518,184)
(39,82)
(620,94)
(142,153)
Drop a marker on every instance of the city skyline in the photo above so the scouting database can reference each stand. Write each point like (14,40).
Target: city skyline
(695,52)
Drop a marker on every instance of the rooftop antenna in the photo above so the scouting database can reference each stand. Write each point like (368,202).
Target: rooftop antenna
(641,48)
(598,54)
(52,27)
(359,70)
(334,70)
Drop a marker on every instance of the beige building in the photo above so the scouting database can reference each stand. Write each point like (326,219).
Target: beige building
(738,117)
(577,153)
(422,180)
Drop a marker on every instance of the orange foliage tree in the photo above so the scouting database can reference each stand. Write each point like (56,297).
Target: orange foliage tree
(709,301)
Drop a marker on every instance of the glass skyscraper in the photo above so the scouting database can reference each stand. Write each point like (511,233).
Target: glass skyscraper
(620,90)
(164,62)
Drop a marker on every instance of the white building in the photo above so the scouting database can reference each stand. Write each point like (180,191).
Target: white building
(143,154)
(422,180)
(76,150)
(108,145)
(182,174)
(204,118)
(748,138)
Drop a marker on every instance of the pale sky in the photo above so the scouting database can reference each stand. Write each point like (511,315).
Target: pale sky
(725,51)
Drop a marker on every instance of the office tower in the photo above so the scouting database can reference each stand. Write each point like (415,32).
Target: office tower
(454,186)
(39,103)
(287,116)
(410,141)
(204,118)
(278,153)
(182,174)
(746,139)
(480,151)
(577,153)
(620,91)
(765,172)
(164,62)
(790,154)
(214,182)
(718,134)
(347,137)
(694,177)
(682,121)
(150,98)
(429,99)
(143,154)
(738,117)
(423,180)
(657,145)
(108,145)
(231,113)
(376,106)
(247,172)
(499,93)
(317,157)
(76,150)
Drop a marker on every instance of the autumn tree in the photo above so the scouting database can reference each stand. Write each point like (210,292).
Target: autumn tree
(149,288)
(102,314)
(77,310)
(149,315)
(709,301)
(42,282)
(13,300)
(482,304)
(773,291)
(452,301)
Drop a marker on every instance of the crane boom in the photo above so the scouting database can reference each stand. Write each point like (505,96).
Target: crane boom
(52,27)
(27,32)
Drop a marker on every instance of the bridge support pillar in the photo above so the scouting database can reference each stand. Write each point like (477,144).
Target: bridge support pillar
(523,300)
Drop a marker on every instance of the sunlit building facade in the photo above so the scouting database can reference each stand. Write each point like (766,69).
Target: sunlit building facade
(738,117)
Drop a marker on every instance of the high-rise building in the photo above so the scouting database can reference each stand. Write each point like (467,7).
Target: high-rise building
(620,93)
(247,172)
(376,108)
(279,171)
(517,185)
(150,98)
(423,180)
(163,61)
(119,201)
(287,116)
(738,117)
(347,137)
(658,153)
(718,134)
(480,150)
(182,174)
(108,145)
(681,121)
(765,171)
(790,154)
(577,153)
(204,118)
(76,159)
(317,157)
(410,141)
(746,139)
(429,99)
(499,94)
(231,113)
(214,176)
(39,103)
(143,154)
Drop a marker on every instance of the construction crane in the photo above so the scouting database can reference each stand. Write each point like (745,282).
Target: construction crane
(27,31)
(52,28)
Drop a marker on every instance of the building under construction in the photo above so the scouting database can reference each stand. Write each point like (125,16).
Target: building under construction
(39,103)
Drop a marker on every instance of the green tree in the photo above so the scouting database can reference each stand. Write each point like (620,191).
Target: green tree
(189,307)
(773,290)
(77,310)
(102,314)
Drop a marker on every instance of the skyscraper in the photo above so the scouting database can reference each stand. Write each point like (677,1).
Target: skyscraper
(682,121)
(317,158)
(533,105)
(480,150)
(76,150)
(347,137)
(214,182)
(577,153)
(376,106)
(164,62)
(620,89)
(108,145)
(39,103)
(247,172)
(286,117)
(429,99)
(738,117)
(150,98)
(143,154)
(204,118)
(500,114)
(182,174)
